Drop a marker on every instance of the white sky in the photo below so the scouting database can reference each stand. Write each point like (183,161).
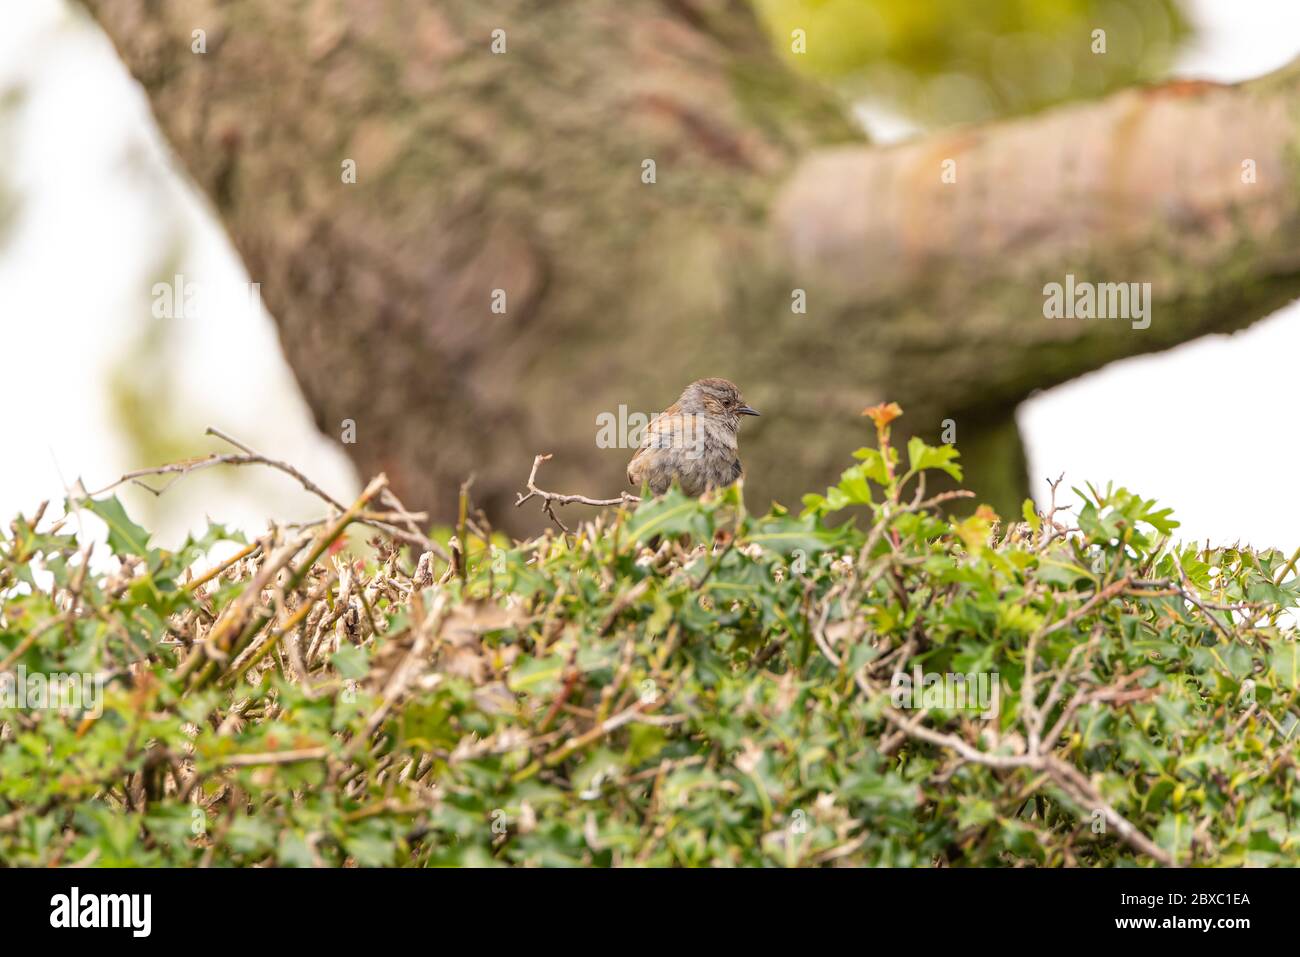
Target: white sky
(1207,428)
(98,201)
(99,205)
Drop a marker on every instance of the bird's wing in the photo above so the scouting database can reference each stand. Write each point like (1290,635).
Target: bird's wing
(667,431)
(634,467)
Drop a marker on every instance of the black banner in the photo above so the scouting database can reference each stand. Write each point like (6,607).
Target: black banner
(942,907)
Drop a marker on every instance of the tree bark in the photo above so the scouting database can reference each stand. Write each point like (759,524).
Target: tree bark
(522,171)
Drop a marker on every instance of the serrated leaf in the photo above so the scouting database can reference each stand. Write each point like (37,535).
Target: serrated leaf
(785,534)
(125,537)
(673,514)
(943,457)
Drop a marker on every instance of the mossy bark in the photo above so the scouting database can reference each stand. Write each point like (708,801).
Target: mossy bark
(522,171)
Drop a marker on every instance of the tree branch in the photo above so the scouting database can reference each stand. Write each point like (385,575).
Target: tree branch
(551,499)
(1148,185)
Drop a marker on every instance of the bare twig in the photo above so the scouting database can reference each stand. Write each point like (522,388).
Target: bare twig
(1066,776)
(1190,594)
(247,455)
(274,757)
(551,499)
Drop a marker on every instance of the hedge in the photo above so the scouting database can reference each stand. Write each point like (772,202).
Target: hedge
(679,682)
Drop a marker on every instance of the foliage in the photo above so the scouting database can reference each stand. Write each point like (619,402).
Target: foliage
(681,683)
(956,61)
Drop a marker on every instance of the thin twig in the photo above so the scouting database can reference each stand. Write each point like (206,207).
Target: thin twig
(551,499)
(247,455)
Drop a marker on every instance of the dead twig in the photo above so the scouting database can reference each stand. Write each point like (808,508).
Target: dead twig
(410,534)
(552,499)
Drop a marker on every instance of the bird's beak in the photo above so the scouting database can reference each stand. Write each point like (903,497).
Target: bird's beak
(746,410)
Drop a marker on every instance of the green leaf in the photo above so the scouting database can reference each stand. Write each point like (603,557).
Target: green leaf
(370,850)
(673,514)
(125,537)
(922,456)
(872,467)
(537,676)
(786,534)
(293,851)
(1285,661)
(351,661)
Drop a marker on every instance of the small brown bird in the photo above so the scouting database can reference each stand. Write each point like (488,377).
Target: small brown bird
(693,440)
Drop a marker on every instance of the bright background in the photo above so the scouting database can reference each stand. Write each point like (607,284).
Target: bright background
(92,213)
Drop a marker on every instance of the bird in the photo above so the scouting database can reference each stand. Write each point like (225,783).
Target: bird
(692,441)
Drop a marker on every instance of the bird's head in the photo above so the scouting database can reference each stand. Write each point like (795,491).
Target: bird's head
(718,397)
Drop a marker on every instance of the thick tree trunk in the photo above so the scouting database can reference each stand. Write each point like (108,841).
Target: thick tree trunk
(522,171)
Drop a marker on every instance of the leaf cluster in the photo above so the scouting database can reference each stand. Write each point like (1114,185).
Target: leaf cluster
(676,683)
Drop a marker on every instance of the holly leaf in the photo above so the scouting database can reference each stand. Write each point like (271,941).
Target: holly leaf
(125,537)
